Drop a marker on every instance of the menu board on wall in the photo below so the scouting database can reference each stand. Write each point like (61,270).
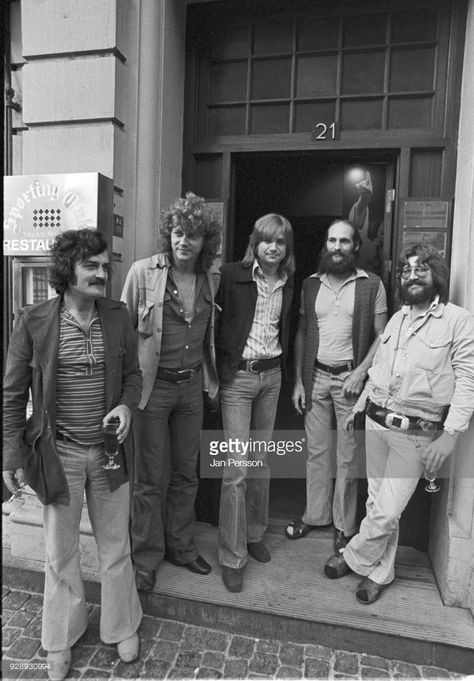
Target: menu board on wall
(425,222)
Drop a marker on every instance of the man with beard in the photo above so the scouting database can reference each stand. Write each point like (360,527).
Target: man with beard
(420,397)
(343,310)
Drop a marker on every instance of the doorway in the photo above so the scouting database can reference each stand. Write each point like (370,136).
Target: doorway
(311,190)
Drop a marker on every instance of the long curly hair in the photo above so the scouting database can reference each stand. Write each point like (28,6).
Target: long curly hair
(194,217)
(267,227)
(427,255)
(69,248)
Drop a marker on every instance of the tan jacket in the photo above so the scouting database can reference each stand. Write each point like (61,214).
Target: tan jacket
(143,294)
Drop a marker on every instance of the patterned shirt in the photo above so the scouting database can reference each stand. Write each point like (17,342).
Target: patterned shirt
(80,386)
(263,341)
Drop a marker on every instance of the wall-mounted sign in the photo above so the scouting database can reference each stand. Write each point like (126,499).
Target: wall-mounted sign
(436,238)
(217,208)
(425,215)
(325,131)
(38,207)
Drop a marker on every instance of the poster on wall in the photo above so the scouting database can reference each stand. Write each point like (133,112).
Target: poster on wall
(217,208)
(426,222)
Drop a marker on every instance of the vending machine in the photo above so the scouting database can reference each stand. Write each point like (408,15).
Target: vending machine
(36,209)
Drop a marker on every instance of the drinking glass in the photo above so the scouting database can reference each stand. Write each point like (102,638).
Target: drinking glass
(111,443)
(432,485)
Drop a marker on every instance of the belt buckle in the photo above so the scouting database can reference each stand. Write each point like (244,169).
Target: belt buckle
(189,374)
(398,421)
(251,365)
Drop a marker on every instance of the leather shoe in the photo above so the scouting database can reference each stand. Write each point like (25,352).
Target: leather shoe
(259,551)
(368,591)
(340,540)
(199,566)
(128,648)
(58,664)
(232,578)
(145,579)
(336,567)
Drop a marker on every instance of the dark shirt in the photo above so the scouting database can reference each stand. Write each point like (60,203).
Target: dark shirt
(182,340)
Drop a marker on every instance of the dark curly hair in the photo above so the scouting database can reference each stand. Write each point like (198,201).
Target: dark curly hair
(194,217)
(427,255)
(69,248)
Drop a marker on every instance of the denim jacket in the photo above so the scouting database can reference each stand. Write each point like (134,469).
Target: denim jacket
(143,293)
(427,369)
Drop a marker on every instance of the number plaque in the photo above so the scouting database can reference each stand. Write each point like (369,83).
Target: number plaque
(325,131)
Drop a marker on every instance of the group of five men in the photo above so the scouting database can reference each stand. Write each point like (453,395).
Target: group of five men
(185,329)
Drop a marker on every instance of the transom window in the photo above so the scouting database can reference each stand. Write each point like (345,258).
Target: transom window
(369,72)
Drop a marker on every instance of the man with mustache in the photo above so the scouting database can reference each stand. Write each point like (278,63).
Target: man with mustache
(420,397)
(77,354)
(343,310)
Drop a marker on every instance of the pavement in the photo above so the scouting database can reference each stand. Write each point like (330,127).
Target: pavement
(174,650)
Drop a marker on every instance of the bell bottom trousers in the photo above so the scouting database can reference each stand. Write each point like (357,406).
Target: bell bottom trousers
(64,609)
(248,402)
(394,467)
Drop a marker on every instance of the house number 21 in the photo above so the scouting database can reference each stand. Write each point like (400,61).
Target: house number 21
(325,131)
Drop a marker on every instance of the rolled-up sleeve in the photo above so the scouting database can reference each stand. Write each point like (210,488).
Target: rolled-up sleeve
(462,360)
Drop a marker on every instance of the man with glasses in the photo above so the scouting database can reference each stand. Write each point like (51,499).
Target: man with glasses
(418,399)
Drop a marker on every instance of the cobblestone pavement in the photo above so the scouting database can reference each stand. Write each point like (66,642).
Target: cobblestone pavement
(172,650)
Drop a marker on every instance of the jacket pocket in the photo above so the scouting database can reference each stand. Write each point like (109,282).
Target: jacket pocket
(145,318)
(433,354)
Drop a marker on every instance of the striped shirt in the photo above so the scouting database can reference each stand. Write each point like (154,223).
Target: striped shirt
(80,385)
(263,341)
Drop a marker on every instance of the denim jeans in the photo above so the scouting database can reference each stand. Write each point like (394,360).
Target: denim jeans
(166,434)
(248,402)
(328,501)
(65,609)
(393,469)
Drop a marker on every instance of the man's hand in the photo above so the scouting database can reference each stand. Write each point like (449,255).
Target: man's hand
(125,416)
(14,480)
(438,451)
(353,383)
(298,397)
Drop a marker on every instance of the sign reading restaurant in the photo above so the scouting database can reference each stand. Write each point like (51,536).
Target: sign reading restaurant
(38,207)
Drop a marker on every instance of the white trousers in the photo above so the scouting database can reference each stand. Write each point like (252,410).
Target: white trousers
(64,608)
(393,470)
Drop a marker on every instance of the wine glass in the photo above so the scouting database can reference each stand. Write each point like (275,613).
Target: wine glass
(111,443)
(432,485)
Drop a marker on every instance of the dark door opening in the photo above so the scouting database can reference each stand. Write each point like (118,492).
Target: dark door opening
(312,189)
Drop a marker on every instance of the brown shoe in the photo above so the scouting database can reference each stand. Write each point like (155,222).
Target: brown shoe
(368,591)
(232,578)
(336,567)
(259,551)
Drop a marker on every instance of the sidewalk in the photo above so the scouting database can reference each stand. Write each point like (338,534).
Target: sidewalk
(173,650)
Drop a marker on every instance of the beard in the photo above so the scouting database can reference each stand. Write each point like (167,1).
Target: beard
(425,294)
(344,266)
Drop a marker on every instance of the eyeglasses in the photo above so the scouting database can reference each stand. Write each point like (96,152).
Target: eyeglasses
(418,270)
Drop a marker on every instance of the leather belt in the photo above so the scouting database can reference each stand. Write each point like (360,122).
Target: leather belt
(255,366)
(396,421)
(335,370)
(177,375)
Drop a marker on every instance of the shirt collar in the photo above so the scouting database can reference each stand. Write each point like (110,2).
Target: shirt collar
(359,274)
(436,308)
(257,271)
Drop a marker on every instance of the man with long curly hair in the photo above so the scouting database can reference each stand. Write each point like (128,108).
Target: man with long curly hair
(170,299)
(77,354)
